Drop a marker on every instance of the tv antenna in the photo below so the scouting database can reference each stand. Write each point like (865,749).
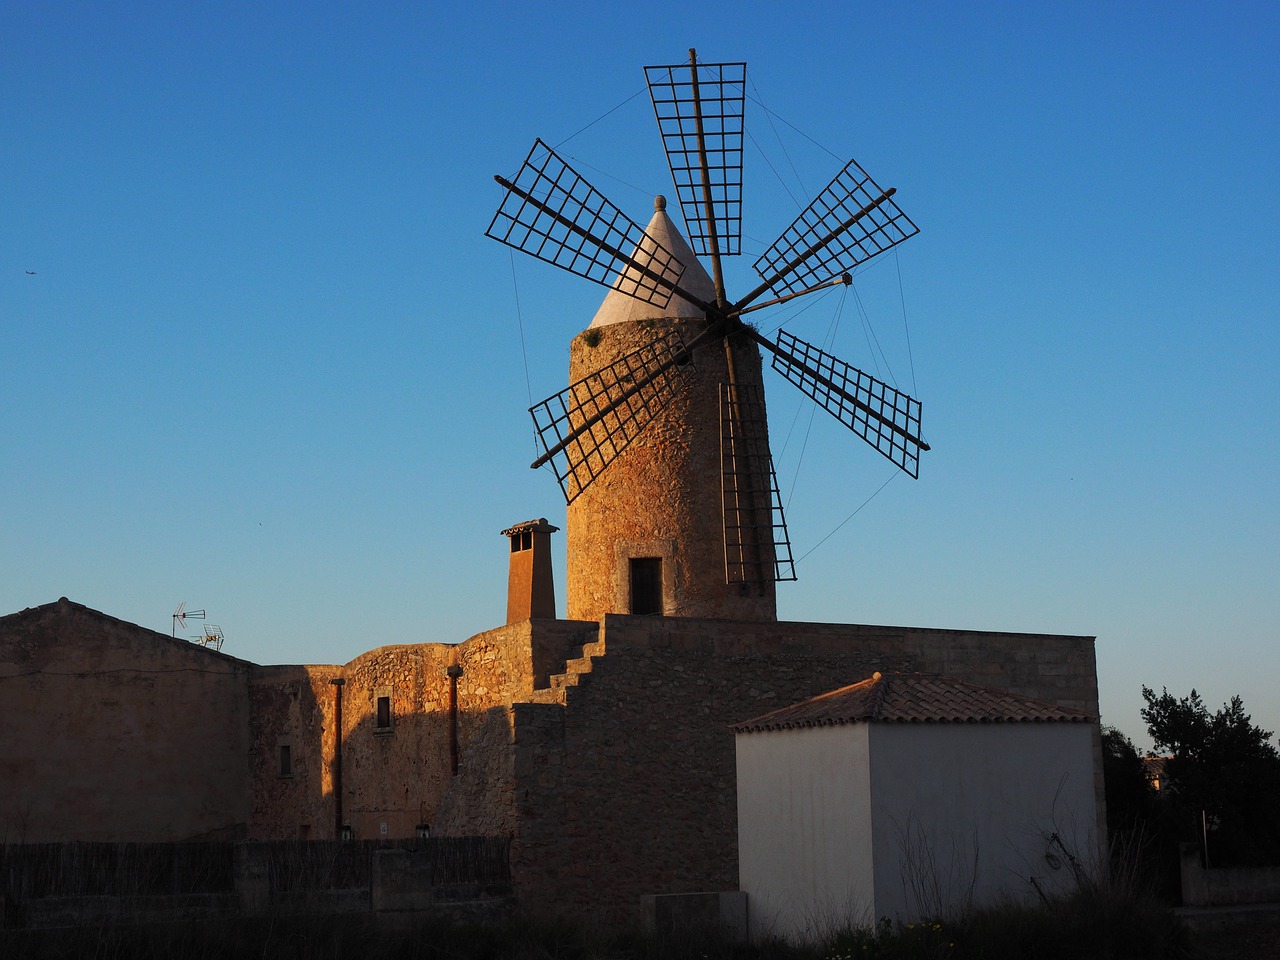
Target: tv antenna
(180,617)
(211,637)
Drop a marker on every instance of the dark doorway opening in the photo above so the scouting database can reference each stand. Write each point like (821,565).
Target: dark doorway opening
(646,585)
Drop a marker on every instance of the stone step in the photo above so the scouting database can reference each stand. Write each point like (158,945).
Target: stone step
(571,679)
(549,695)
(577,670)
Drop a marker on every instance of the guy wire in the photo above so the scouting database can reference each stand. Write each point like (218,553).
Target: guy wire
(892,476)
(524,351)
(905,328)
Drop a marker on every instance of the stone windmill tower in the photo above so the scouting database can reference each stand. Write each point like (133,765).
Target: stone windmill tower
(653,533)
(660,442)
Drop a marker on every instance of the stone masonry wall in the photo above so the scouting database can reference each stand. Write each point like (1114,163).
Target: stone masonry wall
(113,732)
(630,788)
(661,496)
(291,706)
(398,776)
(603,749)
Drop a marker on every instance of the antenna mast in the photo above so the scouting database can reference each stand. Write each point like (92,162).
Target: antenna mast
(180,617)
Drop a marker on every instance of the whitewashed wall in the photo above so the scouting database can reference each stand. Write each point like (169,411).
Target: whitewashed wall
(963,810)
(846,824)
(804,828)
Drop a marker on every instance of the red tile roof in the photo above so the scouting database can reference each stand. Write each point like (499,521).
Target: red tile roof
(912,698)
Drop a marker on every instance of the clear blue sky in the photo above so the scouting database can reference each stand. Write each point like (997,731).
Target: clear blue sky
(268,363)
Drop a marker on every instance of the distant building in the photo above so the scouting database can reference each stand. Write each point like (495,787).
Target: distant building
(1153,770)
(109,731)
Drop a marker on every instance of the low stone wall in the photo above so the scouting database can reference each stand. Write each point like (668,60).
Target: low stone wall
(1225,886)
(52,885)
(407,884)
(676,915)
(51,912)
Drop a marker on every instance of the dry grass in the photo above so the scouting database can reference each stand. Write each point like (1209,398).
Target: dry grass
(1081,927)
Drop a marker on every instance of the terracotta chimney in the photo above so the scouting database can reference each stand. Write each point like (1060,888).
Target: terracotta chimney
(531,593)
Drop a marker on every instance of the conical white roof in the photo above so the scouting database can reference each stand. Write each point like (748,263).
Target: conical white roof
(619,307)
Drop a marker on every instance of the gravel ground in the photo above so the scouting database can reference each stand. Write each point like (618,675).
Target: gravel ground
(1239,938)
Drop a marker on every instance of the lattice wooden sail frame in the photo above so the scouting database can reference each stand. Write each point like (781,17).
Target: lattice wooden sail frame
(551,212)
(756,545)
(584,427)
(885,417)
(848,223)
(700,113)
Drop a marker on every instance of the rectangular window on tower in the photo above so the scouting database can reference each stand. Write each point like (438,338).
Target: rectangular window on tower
(286,760)
(646,586)
(383,711)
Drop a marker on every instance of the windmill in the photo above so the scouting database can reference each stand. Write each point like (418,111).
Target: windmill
(660,443)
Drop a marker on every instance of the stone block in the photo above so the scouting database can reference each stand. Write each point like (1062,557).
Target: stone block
(401,882)
(679,915)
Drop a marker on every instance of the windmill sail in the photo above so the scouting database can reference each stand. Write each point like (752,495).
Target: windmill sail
(551,212)
(885,417)
(699,108)
(584,427)
(848,223)
(756,546)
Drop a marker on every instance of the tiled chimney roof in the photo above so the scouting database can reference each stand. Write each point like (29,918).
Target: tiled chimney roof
(536,526)
(912,698)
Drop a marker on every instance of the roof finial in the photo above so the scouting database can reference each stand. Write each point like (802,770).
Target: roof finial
(659,202)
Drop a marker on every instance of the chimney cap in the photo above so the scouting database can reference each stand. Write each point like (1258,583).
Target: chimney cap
(536,526)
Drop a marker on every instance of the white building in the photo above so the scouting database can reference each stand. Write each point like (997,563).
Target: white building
(909,796)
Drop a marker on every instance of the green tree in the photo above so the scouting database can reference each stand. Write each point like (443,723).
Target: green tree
(1223,774)
(1130,799)
(1143,838)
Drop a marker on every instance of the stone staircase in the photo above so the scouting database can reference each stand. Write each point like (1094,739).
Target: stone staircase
(577,672)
